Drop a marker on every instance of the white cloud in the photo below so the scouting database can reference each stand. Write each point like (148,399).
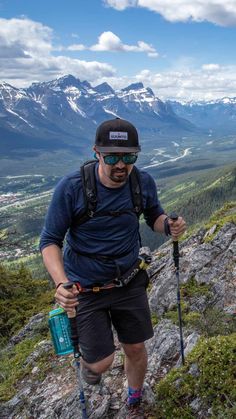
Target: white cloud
(24,37)
(108,41)
(120,4)
(210,67)
(26,55)
(185,84)
(216,11)
(21,73)
(195,84)
(76,47)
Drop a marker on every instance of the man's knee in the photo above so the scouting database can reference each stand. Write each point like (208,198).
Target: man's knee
(135,350)
(100,366)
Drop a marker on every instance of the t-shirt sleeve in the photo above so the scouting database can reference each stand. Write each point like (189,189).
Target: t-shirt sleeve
(59,215)
(152,207)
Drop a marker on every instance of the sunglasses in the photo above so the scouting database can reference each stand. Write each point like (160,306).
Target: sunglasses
(125,158)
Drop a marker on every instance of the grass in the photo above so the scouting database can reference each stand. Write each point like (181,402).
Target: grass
(14,367)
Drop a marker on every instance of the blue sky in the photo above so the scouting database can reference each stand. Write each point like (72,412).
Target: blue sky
(182,49)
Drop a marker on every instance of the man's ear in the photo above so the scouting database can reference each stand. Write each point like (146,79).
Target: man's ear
(96,154)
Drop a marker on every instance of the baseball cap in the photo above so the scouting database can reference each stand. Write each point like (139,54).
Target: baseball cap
(117,136)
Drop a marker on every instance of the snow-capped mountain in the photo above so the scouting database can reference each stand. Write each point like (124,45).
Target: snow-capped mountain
(219,116)
(66,111)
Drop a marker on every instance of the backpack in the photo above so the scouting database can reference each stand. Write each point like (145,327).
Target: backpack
(90,194)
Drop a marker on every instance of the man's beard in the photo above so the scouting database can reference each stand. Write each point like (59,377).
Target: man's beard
(119,175)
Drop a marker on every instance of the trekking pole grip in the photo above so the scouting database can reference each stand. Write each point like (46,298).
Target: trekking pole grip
(174,217)
(71,314)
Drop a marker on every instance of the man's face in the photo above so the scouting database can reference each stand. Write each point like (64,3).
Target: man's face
(116,167)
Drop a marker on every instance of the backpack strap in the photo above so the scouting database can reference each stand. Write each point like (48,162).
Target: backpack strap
(89,191)
(136,191)
(90,194)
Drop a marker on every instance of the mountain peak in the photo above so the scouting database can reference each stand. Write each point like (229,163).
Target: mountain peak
(86,84)
(104,88)
(7,86)
(133,86)
(60,83)
(67,81)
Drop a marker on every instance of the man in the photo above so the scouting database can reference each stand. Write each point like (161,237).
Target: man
(99,253)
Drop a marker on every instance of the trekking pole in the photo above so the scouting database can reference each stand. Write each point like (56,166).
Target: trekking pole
(75,342)
(173,216)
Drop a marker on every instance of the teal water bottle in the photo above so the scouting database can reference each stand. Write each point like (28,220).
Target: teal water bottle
(59,326)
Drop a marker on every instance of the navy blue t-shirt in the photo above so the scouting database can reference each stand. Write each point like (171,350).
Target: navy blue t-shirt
(102,235)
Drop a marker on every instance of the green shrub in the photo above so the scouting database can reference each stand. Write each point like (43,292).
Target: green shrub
(210,321)
(21,297)
(214,383)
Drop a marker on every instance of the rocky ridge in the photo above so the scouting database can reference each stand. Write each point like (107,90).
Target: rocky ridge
(59,112)
(207,258)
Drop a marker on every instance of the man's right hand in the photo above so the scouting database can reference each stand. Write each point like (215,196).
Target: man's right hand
(67,299)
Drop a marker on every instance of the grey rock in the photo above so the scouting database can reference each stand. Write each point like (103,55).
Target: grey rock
(29,329)
(41,348)
(196,404)
(194,371)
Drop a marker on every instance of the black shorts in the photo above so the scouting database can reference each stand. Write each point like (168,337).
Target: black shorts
(125,308)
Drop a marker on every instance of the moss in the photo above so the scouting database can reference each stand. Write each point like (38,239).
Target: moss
(215,322)
(189,318)
(214,383)
(45,364)
(216,358)
(227,214)
(12,366)
(210,321)
(154,319)
(193,289)
(192,318)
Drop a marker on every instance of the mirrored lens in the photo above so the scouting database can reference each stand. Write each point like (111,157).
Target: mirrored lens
(126,158)
(129,158)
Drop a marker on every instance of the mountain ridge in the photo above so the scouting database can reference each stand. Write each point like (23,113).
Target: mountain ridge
(66,108)
(60,111)
(218,117)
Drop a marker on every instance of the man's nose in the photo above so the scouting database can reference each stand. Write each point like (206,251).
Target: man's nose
(120,164)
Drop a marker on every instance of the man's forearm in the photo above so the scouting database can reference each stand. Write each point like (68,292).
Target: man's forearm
(175,228)
(52,258)
(159,224)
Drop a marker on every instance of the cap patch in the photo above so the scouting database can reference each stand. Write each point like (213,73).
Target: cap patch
(116,135)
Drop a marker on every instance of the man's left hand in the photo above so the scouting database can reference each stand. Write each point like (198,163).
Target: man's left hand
(177,227)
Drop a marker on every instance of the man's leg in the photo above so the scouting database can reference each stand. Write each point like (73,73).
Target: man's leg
(135,368)
(131,318)
(135,364)
(92,372)
(100,366)
(95,335)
